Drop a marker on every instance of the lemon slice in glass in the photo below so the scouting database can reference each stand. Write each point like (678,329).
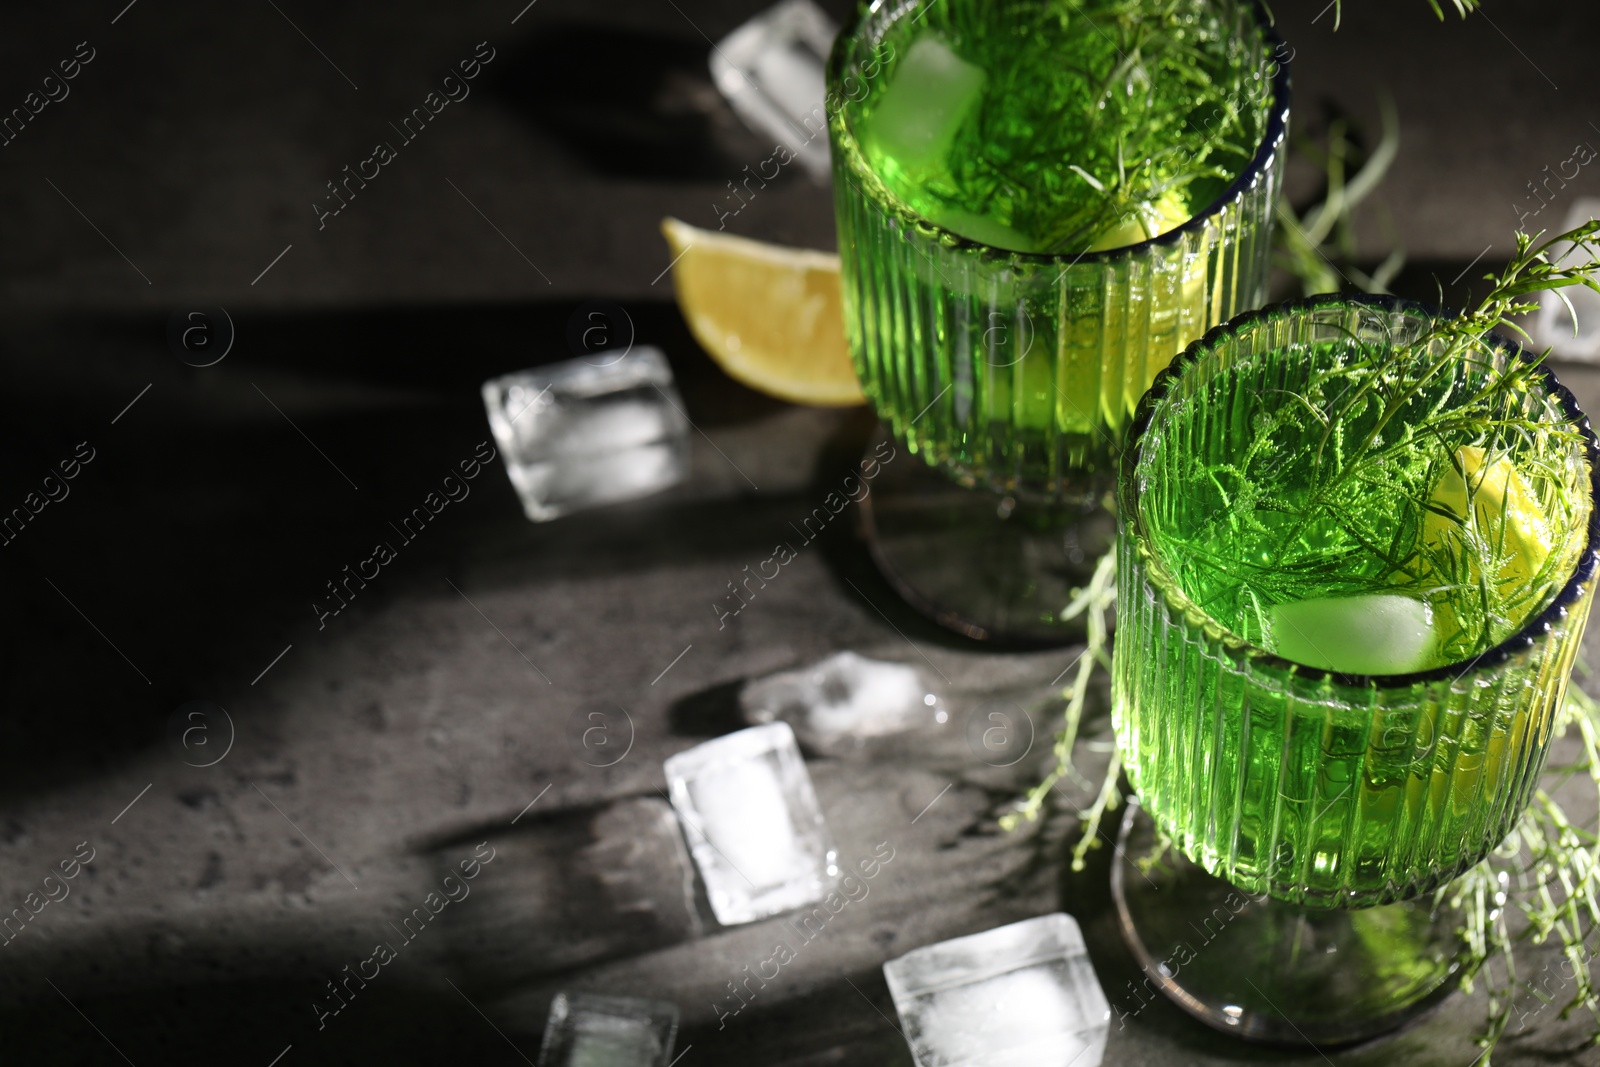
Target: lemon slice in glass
(1502,504)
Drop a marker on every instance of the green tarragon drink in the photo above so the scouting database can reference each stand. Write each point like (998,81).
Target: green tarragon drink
(1040,202)
(1063,127)
(1355,571)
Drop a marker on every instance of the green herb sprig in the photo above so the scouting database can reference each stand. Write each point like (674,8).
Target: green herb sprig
(1094,603)
(1159,106)
(1541,887)
(1318,248)
(1461,6)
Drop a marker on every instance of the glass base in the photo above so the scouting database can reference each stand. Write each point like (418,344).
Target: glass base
(984,564)
(1275,972)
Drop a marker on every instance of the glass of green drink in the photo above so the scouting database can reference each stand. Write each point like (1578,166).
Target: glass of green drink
(1039,203)
(1355,563)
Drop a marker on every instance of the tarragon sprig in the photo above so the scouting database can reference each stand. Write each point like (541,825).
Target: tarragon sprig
(1461,6)
(1159,108)
(1547,877)
(1319,247)
(1454,337)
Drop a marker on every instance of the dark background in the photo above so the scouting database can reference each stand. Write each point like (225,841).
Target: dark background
(183,164)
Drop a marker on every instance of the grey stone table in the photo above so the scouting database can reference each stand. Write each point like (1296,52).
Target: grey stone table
(435,718)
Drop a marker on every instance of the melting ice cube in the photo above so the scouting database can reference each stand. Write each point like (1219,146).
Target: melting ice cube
(922,107)
(753,823)
(1023,995)
(1377,633)
(772,70)
(843,700)
(588,1030)
(588,431)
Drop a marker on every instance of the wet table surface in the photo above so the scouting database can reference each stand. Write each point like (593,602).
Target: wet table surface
(439,716)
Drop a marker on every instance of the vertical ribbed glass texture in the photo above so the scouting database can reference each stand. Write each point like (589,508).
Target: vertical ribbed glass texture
(1324,789)
(1020,371)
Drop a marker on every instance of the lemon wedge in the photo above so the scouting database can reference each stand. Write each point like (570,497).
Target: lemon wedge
(768,315)
(1149,220)
(1503,513)
(1500,498)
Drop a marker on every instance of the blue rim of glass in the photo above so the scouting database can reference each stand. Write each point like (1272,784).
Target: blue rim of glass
(1539,627)
(1277,130)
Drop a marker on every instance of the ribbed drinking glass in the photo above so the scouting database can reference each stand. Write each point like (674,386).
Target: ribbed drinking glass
(1320,788)
(1018,369)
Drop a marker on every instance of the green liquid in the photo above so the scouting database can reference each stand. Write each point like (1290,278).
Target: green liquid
(981,117)
(1303,785)
(1435,544)
(1060,126)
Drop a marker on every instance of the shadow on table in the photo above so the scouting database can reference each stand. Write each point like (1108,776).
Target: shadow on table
(629,103)
(188,552)
(212,506)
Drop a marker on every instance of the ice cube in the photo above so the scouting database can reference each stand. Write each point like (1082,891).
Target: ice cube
(754,828)
(792,77)
(772,70)
(1553,326)
(841,701)
(927,99)
(588,1030)
(1375,633)
(1023,995)
(981,228)
(588,431)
